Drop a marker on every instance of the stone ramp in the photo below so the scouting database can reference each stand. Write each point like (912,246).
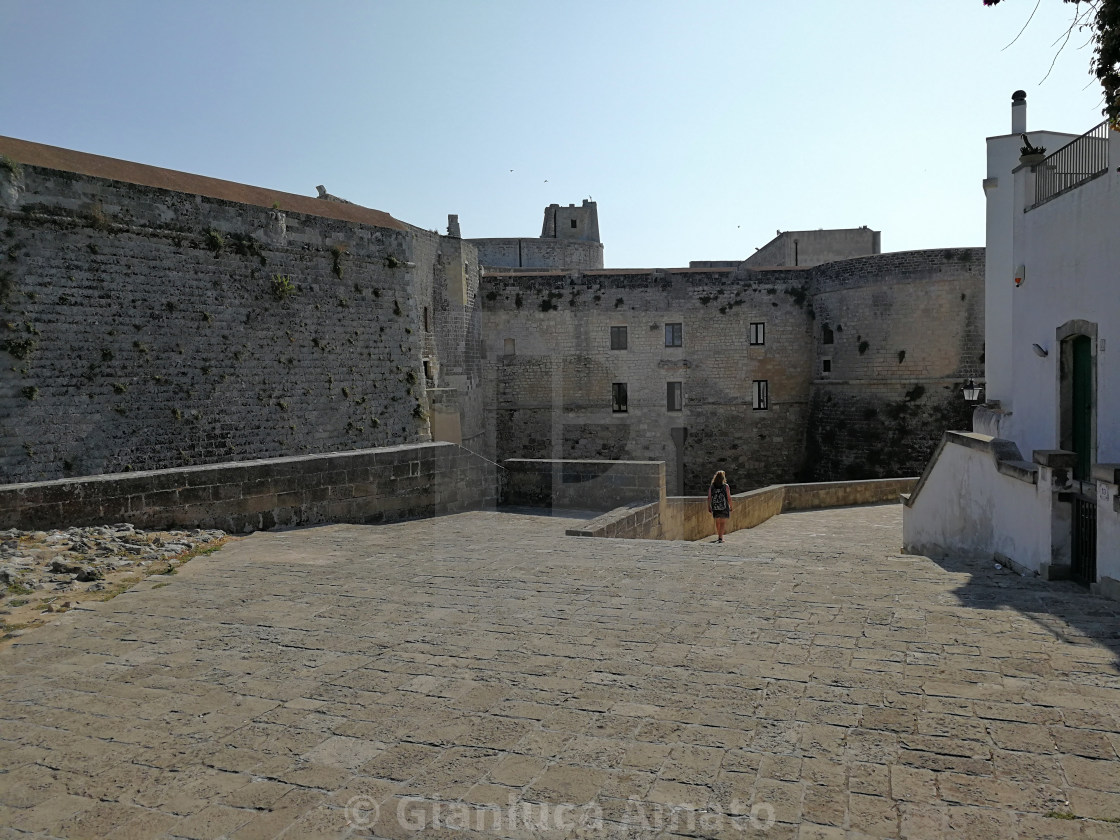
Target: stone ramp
(483,670)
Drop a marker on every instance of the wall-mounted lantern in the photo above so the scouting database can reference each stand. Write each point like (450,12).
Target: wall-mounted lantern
(971,391)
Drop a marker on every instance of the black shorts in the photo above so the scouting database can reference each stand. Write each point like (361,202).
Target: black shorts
(724,515)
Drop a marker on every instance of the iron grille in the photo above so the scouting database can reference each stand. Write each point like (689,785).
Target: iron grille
(1083,568)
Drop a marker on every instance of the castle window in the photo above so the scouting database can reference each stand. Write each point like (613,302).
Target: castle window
(618,338)
(618,397)
(761,394)
(428,378)
(674,335)
(427,324)
(826,334)
(758,332)
(573,223)
(826,366)
(674,396)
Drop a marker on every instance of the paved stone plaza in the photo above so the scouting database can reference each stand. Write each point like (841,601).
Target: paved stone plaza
(484,671)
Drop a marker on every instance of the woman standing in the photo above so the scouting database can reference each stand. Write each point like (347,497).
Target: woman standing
(719,502)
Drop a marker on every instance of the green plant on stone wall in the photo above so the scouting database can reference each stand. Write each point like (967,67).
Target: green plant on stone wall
(392,262)
(20,348)
(517,300)
(901,356)
(863,347)
(397,308)
(336,259)
(618,303)
(31,392)
(282,287)
(10,166)
(214,241)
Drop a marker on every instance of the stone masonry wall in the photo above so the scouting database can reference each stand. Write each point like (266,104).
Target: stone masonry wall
(539,253)
(365,486)
(144,328)
(901,333)
(450,327)
(551,369)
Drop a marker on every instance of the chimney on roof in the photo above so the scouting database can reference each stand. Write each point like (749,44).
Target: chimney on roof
(1018,112)
(453,226)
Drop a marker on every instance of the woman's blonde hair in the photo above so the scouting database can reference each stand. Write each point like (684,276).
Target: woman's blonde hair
(719,479)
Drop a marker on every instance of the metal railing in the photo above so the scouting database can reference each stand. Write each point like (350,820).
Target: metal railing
(1072,165)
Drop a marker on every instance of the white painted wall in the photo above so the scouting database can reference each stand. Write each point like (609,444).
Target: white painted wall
(999,190)
(1071,252)
(1108,533)
(968,508)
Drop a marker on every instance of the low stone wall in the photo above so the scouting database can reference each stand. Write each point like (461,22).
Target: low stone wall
(687,517)
(583,485)
(364,486)
(845,493)
(636,521)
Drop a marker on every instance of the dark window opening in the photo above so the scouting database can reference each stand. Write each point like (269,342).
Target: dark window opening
(761,394)
(674,335)
(428,372)
(674,396)
(826,334)
(573,223)
(826,365)
(427,325)
(618,397)
(618,338)
(758,332)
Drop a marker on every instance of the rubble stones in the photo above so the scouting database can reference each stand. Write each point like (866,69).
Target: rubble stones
(78,559)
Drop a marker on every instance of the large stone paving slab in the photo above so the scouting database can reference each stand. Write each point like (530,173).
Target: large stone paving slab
(485,676)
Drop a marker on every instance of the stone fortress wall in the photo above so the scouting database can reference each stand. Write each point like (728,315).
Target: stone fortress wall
(154,319)
(569,239)
(899,332)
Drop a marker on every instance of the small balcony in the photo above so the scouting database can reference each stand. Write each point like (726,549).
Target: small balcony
(1076,163)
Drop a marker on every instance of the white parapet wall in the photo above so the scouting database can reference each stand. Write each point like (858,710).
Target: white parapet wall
(1108,529)
(979,498)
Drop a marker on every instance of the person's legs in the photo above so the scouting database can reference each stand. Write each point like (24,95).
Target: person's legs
(721,526)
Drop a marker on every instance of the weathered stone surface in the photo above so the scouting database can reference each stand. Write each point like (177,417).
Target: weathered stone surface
(802,672)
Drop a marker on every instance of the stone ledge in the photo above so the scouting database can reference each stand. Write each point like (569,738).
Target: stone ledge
(1004,452)
(261,494)
(1060,459)
(1108,473)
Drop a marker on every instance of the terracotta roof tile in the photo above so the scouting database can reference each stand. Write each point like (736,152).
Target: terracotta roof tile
(67,160)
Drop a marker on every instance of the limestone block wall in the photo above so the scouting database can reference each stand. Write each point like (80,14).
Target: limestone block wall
(449,324)
(896,336)
(146,328)
(539,253)
(551,369)
(814,247)
(584,485)
(364,486)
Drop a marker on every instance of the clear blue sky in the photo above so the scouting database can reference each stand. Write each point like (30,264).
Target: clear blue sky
(699,127)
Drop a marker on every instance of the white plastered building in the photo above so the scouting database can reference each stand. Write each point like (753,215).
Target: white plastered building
(1034,484)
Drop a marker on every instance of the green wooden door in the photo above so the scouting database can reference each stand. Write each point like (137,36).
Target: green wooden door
(1082,404)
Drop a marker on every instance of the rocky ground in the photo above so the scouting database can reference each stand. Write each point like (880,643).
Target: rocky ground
(43,572)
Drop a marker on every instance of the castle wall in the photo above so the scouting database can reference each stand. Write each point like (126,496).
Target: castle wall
(450,329)
(813,247)
(902,332)
(550,370)
(134,338)
(539,253)
(906,330)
